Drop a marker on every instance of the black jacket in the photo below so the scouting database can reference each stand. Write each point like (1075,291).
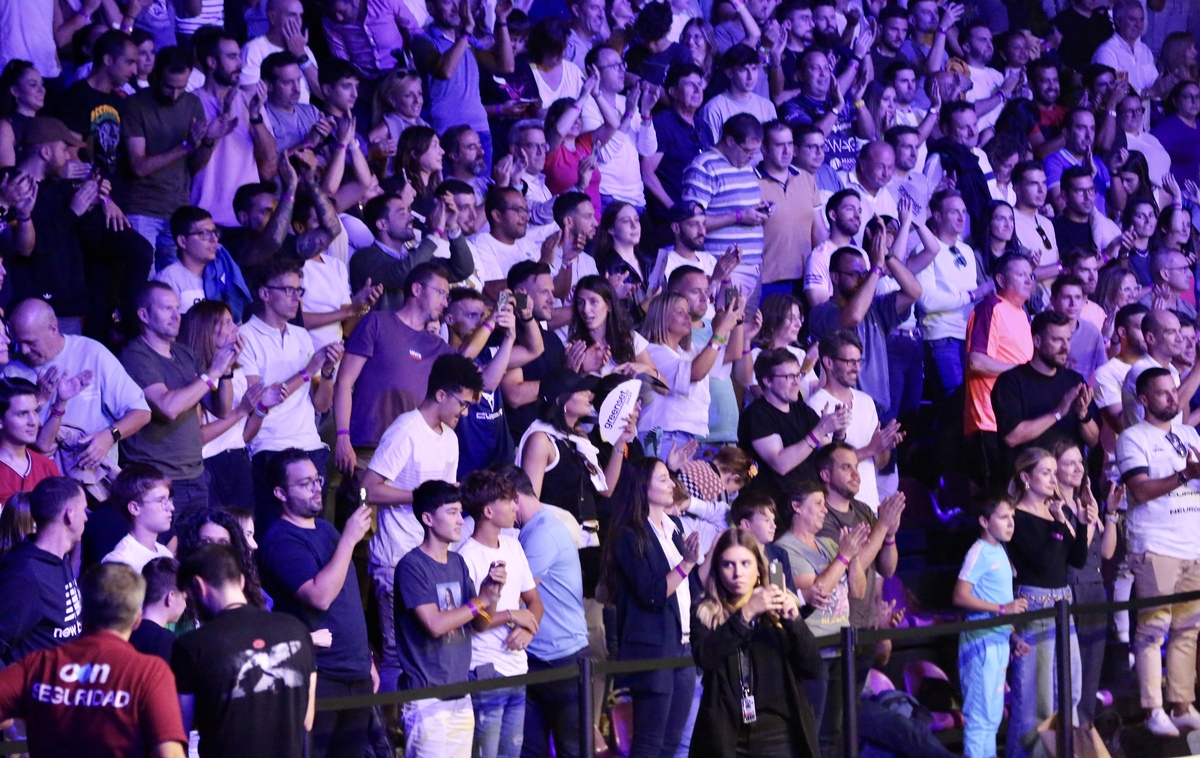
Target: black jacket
(716,653)
(39,607)
(373,263)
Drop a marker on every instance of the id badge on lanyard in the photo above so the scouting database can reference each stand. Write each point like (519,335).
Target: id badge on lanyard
(749,712)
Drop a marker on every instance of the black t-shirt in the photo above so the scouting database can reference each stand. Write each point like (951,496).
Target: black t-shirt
(288,558)
(249,671)
(54,271)
(152,639)
(93,114)
(760,420)
(1081,35)
(553,357)
(1073,234)
(1024,393)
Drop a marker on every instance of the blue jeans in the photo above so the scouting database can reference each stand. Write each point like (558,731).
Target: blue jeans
(906,369)
(657,443)
(1033,676)
(156,231)
(607,200)
(190,494)
(499,723)
(947,357)
(552,711)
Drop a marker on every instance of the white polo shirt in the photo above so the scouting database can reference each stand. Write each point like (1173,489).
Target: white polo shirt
(1166,525)
(326,289)
(276,356)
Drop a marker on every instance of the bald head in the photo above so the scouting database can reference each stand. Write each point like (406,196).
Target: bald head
(35,332)
(1161,331)
(285,8)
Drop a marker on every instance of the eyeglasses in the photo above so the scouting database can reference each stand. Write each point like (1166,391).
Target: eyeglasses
(960,260)
(161,502)
(850,361)
(207,234)
(1177,444)
(619,64)
(517,210)
(537,147)
(287,291)
(795,377)
(1042,233)
(309,484)
(462,404)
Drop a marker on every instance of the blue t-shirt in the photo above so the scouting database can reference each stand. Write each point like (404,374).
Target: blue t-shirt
(289,557)
(453,101)
(990,574)
(554,561)
(431,661)
(1062,160)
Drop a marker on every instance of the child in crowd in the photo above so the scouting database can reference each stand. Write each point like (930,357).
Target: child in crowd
(985,589)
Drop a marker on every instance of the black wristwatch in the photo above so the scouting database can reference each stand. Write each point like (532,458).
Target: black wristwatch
(116,433)
(1182,478)
(256,120)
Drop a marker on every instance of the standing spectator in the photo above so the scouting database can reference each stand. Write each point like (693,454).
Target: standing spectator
(722,181)
(204,269)
(873,172)
(419,446)
(743,69)
(1158,463)
(908,182)
(143,495)
(1172,280)
(985,589)
(553,75)
(949,291)
(959,152)
(175,384)
(89,107)
(506,243)
(522,386)
(1086,265)
(1046,138)
(21,466)
(822,103)
(1079,133)
(233,714)
(246,154)
(293,123)
(1080,226)
(1109,378)
(635,138)
(40,605)
(873,317)
(279,352)
(143,717)
(446,55)
(112,407)
(285,33)
(1088,351)
(1131,114)
(365,34)
(678,137)
(779,430)
(391,259)
(645,571)
(490,500)
(1041,402)
(998,340)
(306,568)
(168,139)
(1044,544)
(551,709)
(1125,51)
(1163,335)
(843,217)
(791,232)
(163,606)
(437,600)
(589,27)
(386,370)
(1084,26)
(841,357)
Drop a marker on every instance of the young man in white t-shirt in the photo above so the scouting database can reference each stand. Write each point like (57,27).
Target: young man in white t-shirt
(143,495)
(505,244)
(1159,459)
(499,714)
(418,447)
(841,359)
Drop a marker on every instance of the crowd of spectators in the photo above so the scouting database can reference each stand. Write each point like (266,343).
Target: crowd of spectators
(356,346)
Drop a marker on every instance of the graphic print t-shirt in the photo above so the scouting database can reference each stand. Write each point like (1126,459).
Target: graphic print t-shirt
(249,671)
(431,661)
(93,115)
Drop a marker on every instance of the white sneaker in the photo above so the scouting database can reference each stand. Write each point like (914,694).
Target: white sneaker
(1160,724)
(1189,720)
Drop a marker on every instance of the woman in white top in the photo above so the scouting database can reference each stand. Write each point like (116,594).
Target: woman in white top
(206,328)
(600,326)
(777,326)
(396,106)
(555,77)
(681,415)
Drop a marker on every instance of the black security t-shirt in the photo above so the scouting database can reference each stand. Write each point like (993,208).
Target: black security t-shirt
(249,671)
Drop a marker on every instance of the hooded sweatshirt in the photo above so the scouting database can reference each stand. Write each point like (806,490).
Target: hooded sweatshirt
(39,607)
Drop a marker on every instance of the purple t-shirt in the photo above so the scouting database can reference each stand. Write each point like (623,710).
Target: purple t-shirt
(395,376)
(1182,143)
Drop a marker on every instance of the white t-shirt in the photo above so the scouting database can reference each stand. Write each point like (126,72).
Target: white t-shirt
(326,289)
(494,259)
(277,356)
(488,647)
(984,82)
(253,54)
(816,273)
(639,344)
(669,259)
(1131,408)
(410,453)
(1166,525)
(569,85)
(863,422)
(946,283)
(188,286)
(685,407)
(134,554)
(1106,383)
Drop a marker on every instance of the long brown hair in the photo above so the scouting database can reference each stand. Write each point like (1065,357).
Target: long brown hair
(197,327)
(632,507)
(719,603)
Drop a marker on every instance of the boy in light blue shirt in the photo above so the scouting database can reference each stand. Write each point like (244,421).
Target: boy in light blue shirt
(985,589)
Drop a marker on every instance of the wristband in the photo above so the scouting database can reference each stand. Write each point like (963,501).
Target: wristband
(212,386)
(440,232)
(23,219)
(261,410)
(343,432)
(845,561)
(719,339)
(812,440)
(342,145)
(1057,416)
(1000,612)
(57,413)
(1111,518)
(877,271)
(489,327)
(305,375)
(889,540)
(679,570)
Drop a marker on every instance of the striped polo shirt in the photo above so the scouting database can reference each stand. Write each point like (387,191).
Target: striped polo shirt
(720,187)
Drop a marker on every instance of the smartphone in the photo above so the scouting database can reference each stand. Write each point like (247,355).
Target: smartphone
(522,301)
(775,572)
(502,300)
(730,296)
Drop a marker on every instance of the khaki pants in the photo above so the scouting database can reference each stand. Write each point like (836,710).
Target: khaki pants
(1155,575)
